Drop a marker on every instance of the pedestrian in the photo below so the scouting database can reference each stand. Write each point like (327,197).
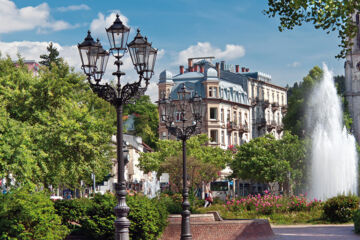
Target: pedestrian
(208,199)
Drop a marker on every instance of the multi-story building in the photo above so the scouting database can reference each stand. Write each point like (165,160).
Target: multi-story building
(352,79)
(240,105)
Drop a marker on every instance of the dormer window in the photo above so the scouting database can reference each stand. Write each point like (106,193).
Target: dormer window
(212,92)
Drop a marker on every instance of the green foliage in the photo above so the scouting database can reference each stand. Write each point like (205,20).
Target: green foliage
(29,215)
(72,211)
(341,208)
(148,217)
(203,162)
(295,118)
(51,58)
(356,219)
(146,119)
(53,129)
(267,160)
(328,15)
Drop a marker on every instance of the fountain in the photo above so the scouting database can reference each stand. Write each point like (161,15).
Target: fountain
(333,168)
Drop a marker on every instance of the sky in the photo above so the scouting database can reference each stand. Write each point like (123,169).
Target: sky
(235,31)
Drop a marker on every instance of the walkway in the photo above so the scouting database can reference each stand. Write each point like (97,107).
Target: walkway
(315,232)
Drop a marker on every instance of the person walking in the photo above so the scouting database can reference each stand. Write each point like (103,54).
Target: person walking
(208,199)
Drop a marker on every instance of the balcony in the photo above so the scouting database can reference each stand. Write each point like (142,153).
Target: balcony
(254,101)
(231,126)
(261,123)
(243,128)
(279,128)
(275,106)
(266,104)
(284,109)
(270,126)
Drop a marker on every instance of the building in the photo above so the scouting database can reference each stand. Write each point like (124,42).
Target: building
(32,66)
(240,105)
(352,80)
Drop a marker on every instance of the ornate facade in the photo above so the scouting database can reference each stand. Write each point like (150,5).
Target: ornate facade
(239,105)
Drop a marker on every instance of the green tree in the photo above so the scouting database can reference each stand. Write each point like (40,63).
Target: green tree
(295,118)
(51,58)
(267,160)
(55,127)
(146,119)
(328,15)
(203,161)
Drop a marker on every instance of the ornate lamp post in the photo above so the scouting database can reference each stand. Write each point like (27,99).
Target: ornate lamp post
(187,111)
(94,60)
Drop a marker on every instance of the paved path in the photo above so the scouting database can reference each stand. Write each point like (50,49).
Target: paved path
(315,232)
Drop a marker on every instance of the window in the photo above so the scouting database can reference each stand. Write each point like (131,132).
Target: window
(213,136)
(240,120)
(235,139)
(235,116)
(228,116)
(223,137)
(210,92)
(213,113)
(215,92)
(222,115)
(178,116)
(273,97)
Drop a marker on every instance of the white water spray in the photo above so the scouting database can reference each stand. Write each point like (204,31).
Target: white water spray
(334,158)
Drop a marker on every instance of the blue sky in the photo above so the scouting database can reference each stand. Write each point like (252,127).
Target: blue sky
(234,30)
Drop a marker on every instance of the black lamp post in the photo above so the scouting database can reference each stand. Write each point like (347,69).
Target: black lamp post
(182,118)
(94,60)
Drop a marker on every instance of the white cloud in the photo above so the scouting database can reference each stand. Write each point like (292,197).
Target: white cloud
(73,8)
(28,18)
(294,64)
(97,26)
(205,49)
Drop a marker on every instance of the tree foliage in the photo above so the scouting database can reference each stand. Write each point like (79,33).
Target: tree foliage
(328,15)
(51,58)
(295,118)
(203,162)
(54,130)
(146,119)
(267,160)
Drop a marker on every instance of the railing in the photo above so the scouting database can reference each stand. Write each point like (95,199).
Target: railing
(266,104)
(231,126)
(275,106)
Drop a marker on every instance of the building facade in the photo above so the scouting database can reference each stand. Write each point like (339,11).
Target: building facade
(239,105)
(352,80)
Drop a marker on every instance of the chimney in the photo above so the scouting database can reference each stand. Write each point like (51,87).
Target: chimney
(202,70)
(181,69)
(222,65)
(237,67)
(190,64)
(218,69)
(196,68)
(247,70)
(242,69)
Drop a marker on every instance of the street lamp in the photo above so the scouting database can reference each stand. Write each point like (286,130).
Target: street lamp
(182,117)
(94,60)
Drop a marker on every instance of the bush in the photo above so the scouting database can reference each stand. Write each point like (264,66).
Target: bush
(148,217)
(72,211)
(357,221)
(340,208)
(172,203)
(29,215)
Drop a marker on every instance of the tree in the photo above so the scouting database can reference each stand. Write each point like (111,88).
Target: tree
(203,162)
(51,58)
(329,15)
(55,130)
(267,160)
(295,118)
(146,119)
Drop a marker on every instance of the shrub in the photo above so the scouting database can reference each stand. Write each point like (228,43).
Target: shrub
(29,215)
(172,203)
(148,217)
(357,221)
(340,208)
(72,211)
